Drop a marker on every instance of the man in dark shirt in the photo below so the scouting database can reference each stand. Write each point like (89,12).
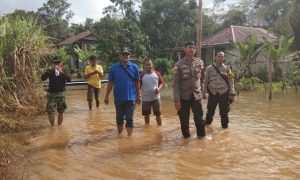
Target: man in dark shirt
(57,90)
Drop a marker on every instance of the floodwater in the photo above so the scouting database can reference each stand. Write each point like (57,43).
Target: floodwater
(262,142)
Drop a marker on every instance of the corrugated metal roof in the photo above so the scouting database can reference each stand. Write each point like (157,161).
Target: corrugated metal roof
(234,34)
(86,35)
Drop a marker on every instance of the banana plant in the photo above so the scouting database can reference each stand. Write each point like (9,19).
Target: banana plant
(84,54)
(279,53)
(248,53)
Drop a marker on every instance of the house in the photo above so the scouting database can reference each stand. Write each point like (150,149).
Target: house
(84,40)
(226,38)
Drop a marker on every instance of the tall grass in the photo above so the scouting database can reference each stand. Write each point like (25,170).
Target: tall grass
(23,47)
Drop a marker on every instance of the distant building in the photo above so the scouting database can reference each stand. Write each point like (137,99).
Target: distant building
(84,40)
(226,38)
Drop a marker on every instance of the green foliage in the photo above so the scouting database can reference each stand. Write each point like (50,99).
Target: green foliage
(248,53)
(62,53)
(234,17)
(292,76)
(262,73)
(23,47)
(84,54)
(54,16)
(277,53)
(168,22)
(162,65)
(249,83)
(113,34)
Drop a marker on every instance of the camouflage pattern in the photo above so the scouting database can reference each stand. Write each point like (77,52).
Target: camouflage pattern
(56,100)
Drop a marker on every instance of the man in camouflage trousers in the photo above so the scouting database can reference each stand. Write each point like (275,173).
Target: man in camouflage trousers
(219,83)
(187,90)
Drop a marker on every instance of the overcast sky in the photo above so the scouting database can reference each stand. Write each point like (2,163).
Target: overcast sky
(82,9)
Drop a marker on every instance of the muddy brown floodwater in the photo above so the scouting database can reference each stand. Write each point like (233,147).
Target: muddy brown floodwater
(262,142)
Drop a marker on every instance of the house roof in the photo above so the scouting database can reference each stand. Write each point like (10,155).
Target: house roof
(234,34)
(86,35)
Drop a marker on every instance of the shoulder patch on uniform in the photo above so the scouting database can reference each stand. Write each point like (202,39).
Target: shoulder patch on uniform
(230,74)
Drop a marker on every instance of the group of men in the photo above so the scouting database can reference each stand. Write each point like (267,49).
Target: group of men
(130,87)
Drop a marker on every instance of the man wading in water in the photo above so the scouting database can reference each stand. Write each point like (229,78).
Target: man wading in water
(93,73)
(57,91)
(187,90)
(125,79)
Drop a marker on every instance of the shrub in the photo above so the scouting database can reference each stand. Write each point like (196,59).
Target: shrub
(249,83)
(162,65)
(262,73)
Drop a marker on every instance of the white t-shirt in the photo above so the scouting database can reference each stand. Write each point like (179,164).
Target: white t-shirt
(149,84)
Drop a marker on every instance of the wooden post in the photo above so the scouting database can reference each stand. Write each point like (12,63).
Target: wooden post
(270,79)
(199,29)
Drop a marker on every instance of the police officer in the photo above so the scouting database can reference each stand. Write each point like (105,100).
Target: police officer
(219,83)
(187,90)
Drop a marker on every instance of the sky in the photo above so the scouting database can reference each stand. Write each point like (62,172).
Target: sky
(82,9)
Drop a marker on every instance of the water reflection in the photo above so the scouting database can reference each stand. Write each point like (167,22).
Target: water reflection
(262,142)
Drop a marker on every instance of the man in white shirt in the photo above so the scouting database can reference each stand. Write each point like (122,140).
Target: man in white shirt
(151,83)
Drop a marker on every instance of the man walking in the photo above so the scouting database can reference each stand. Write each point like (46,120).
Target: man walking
(187,90)
(93,73)
(219,83)
(125,79)
(57,91)
(151,84)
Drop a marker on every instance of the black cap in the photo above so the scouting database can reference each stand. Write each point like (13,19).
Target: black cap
(190,43)
(125,51)
(57,60)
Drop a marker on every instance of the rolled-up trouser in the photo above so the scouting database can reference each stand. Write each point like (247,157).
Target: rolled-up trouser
(213,101)
(184,115)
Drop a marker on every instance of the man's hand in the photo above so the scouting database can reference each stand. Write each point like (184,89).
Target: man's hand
(60,69)
(177,105)
(231,98)
(138,100)
(106,100)
(203,95)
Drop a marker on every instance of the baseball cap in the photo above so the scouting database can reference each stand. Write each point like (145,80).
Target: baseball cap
(125,51)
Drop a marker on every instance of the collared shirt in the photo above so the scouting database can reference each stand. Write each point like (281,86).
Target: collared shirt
(187,79)
(124,79)
(94,79)
(215,83)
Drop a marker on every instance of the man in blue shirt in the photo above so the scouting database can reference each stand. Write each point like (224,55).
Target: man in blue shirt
(124,78)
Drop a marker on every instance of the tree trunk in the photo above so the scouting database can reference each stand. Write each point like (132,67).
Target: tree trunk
(270,79)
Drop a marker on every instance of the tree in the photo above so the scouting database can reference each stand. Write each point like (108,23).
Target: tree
(55,16)
(126,7)
(57,9)
(21,13)
(168,22)
(234,17)
(280,16)
(248,53)
(295,23)
(279,53)
(113,34)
